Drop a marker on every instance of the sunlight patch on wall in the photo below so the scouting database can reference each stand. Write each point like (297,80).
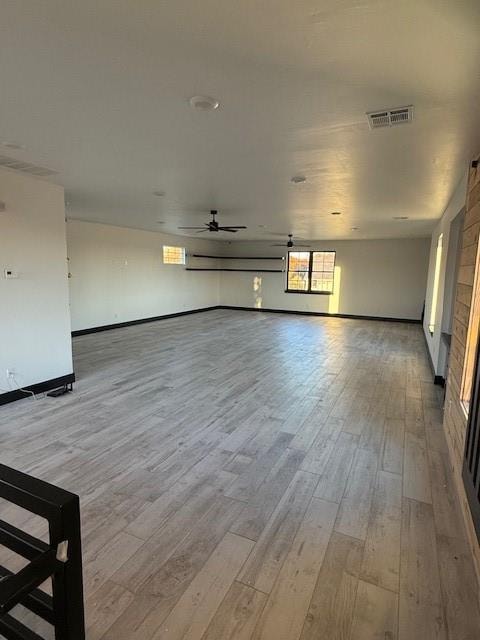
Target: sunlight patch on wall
(334,299)
(257,292)
(436,281)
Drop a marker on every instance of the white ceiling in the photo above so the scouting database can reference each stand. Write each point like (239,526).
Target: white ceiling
(99,91)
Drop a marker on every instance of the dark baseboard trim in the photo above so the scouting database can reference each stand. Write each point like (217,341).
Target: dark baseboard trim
(39,387)
(323,314)
(130,323)
(430,361)
(438,380)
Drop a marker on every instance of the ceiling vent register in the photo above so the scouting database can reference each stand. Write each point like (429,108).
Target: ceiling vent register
(390,117)
(25,167)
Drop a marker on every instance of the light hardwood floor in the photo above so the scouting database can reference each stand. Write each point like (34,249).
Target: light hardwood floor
(251,476)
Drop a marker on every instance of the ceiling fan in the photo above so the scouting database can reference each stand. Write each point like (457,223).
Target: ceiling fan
(214,226)
(290,243)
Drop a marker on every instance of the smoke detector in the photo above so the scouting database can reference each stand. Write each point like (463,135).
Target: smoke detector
(390,117)
(204,103)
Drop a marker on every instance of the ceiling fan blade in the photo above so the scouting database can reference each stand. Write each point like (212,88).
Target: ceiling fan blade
(203,230)
(232,227)
(189,227)
(278,245)
(227,229)
(301,245)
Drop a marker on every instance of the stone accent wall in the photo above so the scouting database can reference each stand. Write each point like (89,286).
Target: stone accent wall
(455,422)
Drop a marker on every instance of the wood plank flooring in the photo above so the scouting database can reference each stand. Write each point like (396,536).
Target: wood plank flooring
(249,476)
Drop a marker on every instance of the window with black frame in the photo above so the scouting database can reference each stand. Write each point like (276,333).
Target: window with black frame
(310,272)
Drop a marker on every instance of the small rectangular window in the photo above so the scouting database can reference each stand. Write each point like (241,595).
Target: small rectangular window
(310,271)
(173,255)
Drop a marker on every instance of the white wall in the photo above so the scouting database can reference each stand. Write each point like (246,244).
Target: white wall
(454,208)
(373,277)
(34,321)
(117,275)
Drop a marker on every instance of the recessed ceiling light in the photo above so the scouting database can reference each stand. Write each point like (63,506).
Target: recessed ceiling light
(336,213)
(400,217)
(261,226)
(354,228)
(158,192)
(160,222)
(204,103)
(298,179)
(12,145)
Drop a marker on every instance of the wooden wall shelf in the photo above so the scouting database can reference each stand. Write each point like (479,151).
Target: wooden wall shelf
(220,269)
(200,255)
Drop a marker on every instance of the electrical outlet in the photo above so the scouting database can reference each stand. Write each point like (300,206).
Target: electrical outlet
(10,274)
(10,373)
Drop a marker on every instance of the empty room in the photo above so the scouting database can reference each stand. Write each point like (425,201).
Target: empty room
(240,318)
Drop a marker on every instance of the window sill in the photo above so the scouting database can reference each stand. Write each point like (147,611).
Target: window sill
(310,293)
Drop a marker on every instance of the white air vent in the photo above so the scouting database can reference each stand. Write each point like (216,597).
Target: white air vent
(390,117)
(26,167)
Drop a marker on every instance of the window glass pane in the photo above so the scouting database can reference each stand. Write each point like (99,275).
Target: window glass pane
(318,261)
(173,255)
(298,280)
(323,267)
(323,261)
(322,281)
(299,260)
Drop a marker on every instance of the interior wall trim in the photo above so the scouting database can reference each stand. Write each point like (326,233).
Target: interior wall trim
(438,380)
(39,387)
(323,314)
(130,323)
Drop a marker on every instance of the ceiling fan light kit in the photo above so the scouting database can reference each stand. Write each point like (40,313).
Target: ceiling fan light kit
(290,243)
(214,227)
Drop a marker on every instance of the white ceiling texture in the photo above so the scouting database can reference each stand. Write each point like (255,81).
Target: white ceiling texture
(99,90)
